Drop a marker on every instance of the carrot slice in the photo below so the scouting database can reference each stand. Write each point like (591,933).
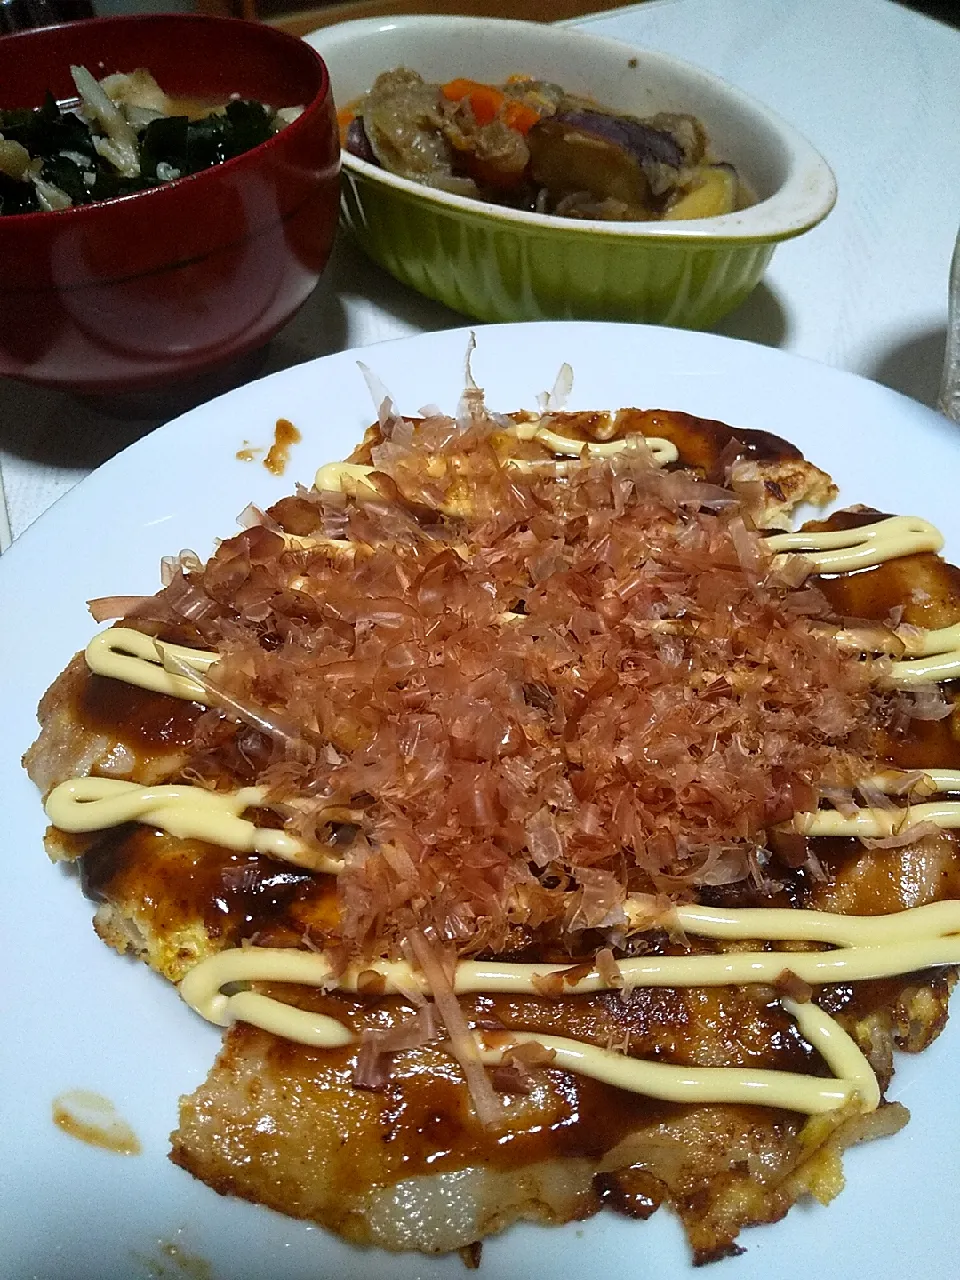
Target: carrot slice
(485,99)
(488,102)
(518,115)
(457,89)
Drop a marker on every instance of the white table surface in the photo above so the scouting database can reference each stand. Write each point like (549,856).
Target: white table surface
(873,85)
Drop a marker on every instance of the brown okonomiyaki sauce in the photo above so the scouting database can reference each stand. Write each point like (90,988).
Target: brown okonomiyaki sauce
(702,442)
(236,896)
(285,436)
(925,591)
(91,1118)
(134,716)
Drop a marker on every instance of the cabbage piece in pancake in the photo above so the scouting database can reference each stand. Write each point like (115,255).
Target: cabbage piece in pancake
(173,902)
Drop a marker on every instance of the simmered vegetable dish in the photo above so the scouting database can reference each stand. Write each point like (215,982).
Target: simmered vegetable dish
(530,145)
(120,135)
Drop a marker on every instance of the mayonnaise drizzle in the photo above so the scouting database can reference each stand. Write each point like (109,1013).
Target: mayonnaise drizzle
(125,654)
(664,451)
(131,656)
(939,641)
(852,1071)
(931,656)
(843,550)
(838,1049)
(943,665)
(789,1090)
(333,476)
(187,812)
(916,642)
(876,823)
(202,989)
(787,924)
(94,804)
(870,947)
(315,542)
(701,1085)
(902,943)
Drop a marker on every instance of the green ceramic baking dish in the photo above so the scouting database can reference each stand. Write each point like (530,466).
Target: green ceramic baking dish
(501,264)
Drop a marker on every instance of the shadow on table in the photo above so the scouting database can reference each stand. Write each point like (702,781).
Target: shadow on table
(56,428)
(762,318)
(354,276)
(914,367)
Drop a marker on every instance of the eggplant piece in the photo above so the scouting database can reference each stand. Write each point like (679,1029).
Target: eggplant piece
(611,157)
(643,141)
(688,133)
(357,142)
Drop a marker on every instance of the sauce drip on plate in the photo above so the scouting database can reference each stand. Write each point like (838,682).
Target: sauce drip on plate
(92,1118)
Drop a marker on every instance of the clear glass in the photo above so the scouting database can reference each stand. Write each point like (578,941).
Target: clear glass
(950,386)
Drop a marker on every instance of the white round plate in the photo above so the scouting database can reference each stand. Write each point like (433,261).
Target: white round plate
(77,1016)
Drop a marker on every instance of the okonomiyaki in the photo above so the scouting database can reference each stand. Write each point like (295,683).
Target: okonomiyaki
(551,826)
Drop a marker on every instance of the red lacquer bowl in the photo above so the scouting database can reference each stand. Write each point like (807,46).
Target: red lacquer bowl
(159,286)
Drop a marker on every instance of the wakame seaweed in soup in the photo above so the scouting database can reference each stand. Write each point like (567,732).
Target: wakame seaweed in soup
(121,135)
